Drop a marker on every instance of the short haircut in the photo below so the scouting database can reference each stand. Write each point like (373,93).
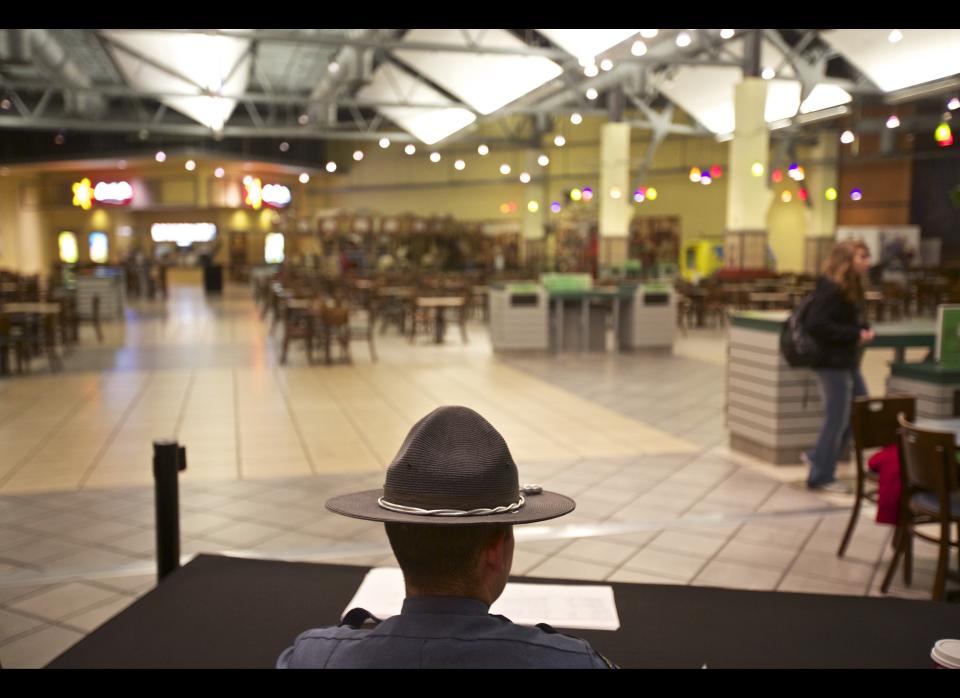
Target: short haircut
(440,557)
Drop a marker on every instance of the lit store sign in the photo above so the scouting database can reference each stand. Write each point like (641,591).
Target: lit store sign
(114,193)
(118,193)
(256,194)
(184,234)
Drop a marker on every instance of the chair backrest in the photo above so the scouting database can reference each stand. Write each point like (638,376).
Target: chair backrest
(928,458)
(874,419)
(336,316)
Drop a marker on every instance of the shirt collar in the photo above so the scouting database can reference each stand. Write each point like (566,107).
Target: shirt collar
(444,604)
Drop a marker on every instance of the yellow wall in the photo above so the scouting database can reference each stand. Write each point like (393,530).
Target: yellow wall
(385,182)
(788,224)
(9,225)
(390,182)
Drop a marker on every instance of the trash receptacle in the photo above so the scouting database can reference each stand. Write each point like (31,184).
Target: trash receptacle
(213,278)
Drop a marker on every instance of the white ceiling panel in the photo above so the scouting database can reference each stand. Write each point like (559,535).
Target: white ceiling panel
(824,96)
(393,84)
(706,92)
(217,63)
(587,44)
(920,56)
(486,82)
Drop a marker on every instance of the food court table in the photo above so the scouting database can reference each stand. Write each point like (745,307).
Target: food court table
(234,612)
(439,304)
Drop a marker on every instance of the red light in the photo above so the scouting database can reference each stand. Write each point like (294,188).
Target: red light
(777,176)
(803,194)
(716,172)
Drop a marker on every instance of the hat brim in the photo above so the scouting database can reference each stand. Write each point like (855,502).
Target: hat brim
(536,507)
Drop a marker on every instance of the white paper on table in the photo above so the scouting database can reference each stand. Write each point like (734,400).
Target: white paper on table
(586,607)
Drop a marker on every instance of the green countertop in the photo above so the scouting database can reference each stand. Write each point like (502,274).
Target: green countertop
(910,333)
(927,372)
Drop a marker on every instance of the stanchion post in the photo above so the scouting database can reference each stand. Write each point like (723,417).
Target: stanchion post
(168,459)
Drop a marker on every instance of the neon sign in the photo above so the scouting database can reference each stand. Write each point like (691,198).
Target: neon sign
(83,194)
(276,195)
(117,193)
(257,194)
(252,192)
(114,193)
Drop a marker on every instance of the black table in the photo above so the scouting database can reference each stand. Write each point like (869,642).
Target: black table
(233,612)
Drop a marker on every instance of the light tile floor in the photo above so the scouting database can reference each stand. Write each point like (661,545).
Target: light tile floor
(638,439)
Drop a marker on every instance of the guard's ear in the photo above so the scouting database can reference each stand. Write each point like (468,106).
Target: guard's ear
(496,548)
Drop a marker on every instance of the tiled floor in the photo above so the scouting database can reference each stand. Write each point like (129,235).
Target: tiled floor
(638,439)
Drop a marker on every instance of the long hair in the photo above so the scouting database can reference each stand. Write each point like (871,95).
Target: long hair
(839,268)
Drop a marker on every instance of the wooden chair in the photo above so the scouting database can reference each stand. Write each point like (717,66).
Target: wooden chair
(362,322)
(10,340)
(874,424)
(95,317)
(297,324)
(334,325)
(930,494)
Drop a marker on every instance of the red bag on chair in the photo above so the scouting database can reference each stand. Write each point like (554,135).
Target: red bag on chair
(886,462)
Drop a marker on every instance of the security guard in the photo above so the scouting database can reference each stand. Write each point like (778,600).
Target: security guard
(449,503)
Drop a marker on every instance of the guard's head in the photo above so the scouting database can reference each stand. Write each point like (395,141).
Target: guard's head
(451,496)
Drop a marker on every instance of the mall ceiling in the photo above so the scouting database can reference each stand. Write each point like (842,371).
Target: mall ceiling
(257,92)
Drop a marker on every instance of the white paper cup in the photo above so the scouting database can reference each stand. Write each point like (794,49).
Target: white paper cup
(946,654)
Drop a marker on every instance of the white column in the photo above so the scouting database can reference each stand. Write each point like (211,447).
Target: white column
(748,197)
(614,193)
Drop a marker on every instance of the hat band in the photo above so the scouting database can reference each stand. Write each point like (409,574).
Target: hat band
(400,508)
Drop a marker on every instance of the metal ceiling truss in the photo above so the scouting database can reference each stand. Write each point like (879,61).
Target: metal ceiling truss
(272,110)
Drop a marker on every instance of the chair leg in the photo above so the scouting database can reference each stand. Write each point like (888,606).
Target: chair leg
(855,514)
(940,582)
(908,559)
(905,534)
(373,350)
(286,344)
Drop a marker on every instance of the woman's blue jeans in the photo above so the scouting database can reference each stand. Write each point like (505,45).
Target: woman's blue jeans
(838,387)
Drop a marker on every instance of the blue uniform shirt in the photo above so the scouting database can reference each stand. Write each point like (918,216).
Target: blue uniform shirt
(440,633)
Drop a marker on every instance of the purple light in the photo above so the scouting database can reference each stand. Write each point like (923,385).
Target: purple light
(555,207)
(856,194)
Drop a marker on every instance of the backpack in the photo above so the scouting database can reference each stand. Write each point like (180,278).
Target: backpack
(798,347)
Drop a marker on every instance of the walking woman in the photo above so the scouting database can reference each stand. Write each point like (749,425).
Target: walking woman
(836,321)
